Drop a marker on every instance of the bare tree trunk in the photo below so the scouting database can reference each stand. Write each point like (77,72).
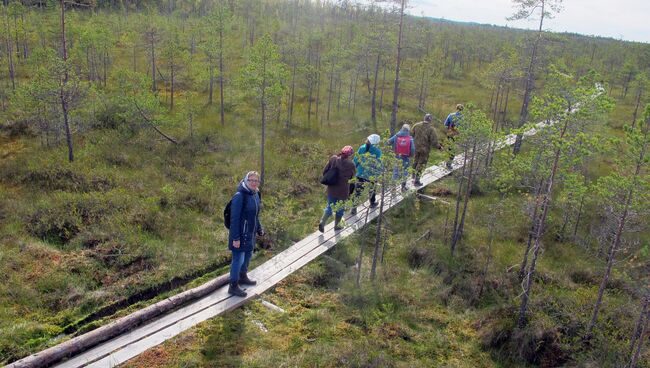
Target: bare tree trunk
(421,93)
(468,192)
(291,98)
(615,245)
(488,257)
(578,216)
(626,84)
(350,93)
(211,85)
(10,60)
(16,37)
(354,93)
(317,85)
(505,108)
(221,107)
(546,201)
(383,82)
(393,115)
(530,83)
(459,197)
(153,62)
(329,95)
(375,255)
(636,107)
(263,107)
(593,53)
(25,47)
(171,95)
(339,84)
(495,110)
(373,99)
(105,67)
(531,233)
(62,91)
(639,332)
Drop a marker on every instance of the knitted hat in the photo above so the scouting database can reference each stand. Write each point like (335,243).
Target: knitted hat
(347,151)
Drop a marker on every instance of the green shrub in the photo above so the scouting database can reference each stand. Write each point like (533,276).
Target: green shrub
(60,177)
(148,217)
(23,338)
(62,216)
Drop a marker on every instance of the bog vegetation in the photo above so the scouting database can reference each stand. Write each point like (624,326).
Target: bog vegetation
(126,126)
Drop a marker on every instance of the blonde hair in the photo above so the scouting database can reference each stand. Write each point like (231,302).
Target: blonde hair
(251,173)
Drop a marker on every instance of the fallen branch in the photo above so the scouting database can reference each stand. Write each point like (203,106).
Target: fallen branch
(152,125)
(432,198)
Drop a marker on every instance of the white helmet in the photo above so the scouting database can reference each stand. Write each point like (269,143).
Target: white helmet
(374,138)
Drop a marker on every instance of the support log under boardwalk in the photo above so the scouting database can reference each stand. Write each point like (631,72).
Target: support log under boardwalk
(119,341)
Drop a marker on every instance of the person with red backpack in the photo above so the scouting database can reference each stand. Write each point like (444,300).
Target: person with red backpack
(404,149)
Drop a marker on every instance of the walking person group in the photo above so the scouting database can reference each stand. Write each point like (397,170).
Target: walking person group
(241,215)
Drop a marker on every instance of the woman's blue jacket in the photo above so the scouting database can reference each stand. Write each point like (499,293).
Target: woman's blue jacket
(244,219)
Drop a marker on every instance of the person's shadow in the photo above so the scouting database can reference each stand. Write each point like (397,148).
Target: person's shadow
(226,342)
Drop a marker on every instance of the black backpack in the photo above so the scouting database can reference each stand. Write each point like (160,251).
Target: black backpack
(227,210)
(331,176)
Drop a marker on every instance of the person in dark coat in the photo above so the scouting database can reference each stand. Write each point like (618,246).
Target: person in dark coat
(340,191)
(244,225)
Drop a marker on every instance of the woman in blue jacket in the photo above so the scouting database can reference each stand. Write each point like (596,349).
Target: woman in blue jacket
(368,164)
(244,225)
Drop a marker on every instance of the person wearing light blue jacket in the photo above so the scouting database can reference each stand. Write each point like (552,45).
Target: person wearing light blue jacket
(452,123)
(368,164)
(404,149)
(244,226)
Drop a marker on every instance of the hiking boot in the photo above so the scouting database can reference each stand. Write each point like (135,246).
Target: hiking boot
(234,289)
(373,204)
(337,223)
(244,280)
(323,221)
(417,183)
(404,187)
(353,211)
(448,165)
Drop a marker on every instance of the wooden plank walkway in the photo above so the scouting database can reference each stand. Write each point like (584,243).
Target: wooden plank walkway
(128,345)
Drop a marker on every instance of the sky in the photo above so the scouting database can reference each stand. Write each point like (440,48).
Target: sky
(620,19)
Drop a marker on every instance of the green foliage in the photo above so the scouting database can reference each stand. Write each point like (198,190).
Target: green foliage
(264,75)
(59,219)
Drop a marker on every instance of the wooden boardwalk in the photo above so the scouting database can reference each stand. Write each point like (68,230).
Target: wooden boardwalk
(130,344)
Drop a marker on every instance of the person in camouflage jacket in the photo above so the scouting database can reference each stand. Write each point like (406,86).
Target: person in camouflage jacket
(425,137)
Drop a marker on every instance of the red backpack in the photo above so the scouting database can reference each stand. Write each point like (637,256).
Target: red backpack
(403,145)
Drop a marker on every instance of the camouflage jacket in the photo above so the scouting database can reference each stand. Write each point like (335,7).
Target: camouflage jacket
(425,136)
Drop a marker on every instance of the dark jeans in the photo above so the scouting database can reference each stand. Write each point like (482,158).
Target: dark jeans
(333,202)
(239,264)
(358,189)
